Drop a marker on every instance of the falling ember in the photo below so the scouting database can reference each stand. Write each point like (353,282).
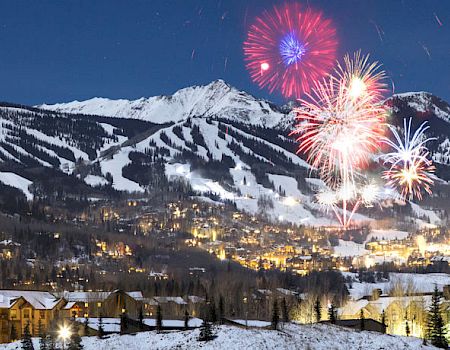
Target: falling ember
(298,45)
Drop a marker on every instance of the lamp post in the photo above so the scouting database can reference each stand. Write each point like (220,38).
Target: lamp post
(64,333)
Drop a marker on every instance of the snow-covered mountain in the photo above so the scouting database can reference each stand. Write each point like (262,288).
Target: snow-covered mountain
(217,99)
(223,143)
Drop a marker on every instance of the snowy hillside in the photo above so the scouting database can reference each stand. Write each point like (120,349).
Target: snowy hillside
(225,144)
(217,99)
(305,337)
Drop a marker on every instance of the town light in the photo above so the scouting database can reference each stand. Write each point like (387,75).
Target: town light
(64,333)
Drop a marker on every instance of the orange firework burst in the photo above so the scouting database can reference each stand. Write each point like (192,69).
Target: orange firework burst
(410,167)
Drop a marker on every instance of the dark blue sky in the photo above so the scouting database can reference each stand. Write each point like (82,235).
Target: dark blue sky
(55,51)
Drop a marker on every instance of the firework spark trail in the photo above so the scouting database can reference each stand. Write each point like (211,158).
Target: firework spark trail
(409,165)
(297,45)
(340,126)
(380,31)
(437,19)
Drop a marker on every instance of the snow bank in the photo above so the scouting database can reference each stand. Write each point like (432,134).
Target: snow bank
(317,337)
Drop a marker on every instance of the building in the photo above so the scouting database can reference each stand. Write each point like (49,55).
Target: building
(103,304)
(21,308)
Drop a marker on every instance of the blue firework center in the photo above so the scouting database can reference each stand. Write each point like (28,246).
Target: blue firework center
(292,49)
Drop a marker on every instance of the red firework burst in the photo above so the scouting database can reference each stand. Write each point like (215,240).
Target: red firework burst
(289,48)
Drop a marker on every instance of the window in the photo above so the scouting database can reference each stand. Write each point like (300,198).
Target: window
(26,313)
(99,304)
(86,304)
(13,313)
(42,314)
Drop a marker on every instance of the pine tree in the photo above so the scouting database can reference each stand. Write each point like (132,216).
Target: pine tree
(27,343)
(206,333)
(159,319)
(383,321)
(284,310)
(42,336)
(275,315)
(75,339)
(362,320)
(332,313)
(186,319)
(123,323)
(212,311)
(141,319)
(221,309)
(13,334)
(436,329)
(101,330)
(318,310)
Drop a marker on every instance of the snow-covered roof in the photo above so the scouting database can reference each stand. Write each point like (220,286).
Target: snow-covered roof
(164,300)
(88,297)
(39,300)
(6,302)
(195,299)
(193,322)
(352,307)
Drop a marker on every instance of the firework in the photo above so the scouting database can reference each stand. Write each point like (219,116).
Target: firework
(409,165)
(289,48)
(341,126)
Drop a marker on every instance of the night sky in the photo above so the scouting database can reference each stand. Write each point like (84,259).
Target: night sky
(58,51)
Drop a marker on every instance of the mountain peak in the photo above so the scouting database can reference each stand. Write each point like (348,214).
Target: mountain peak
(216,99)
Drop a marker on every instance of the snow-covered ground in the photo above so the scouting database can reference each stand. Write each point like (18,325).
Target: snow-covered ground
(17,181)
(421,283)
(386,235)
(305,337)
(348,248)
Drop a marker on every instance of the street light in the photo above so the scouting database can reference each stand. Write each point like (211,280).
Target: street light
(64,333)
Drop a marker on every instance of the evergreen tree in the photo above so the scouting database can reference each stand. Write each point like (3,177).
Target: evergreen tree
(206,332)
(51,341)
(141,319)
(436,329)
(221,309)
(42,336)
(332,313)
(27,343)
(362,324)
(86,326)
(383,321)
(101,330)
(318,310)
(75,339)
(284,310)
(159,319)
(212,311)
(186,319)
(13,334)
(275,315)
(123,323)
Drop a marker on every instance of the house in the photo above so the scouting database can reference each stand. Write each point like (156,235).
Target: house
(170,306)
(103,304)
(33,308)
